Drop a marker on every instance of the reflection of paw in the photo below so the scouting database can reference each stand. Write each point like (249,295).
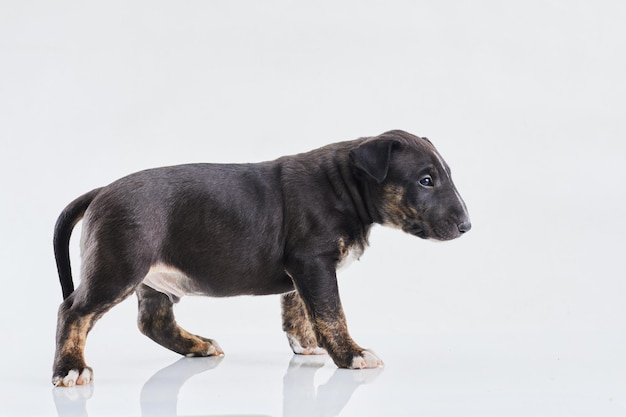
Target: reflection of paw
(358,376)
(73,377)
(73,394)
(298,349)
(196,365)
(367,359)
(307,361)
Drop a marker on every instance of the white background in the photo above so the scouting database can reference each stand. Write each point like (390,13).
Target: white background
(525,315)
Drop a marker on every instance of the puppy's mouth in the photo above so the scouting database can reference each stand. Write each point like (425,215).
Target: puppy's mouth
(416,230)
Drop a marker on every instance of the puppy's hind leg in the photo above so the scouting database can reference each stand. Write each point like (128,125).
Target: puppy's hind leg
(156,320)
(77,315)
(297,325)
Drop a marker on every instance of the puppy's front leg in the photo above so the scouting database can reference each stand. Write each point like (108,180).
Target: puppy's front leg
(297,325)
(316,283)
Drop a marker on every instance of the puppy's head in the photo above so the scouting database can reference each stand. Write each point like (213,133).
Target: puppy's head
(410,186)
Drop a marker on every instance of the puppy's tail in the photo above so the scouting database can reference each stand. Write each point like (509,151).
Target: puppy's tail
(62,233)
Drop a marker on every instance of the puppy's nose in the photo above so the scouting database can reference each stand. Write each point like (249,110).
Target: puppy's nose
(464,226)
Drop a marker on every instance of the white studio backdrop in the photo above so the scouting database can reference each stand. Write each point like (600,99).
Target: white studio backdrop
(525,101)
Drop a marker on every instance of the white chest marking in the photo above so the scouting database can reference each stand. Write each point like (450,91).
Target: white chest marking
(349,255)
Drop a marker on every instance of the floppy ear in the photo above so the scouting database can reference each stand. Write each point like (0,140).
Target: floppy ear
(372,157)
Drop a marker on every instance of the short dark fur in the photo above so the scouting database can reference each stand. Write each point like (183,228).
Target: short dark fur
(267,228)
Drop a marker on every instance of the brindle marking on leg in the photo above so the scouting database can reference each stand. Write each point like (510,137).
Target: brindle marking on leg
(334,336)
(70,368)
(74,322)
(297,325)
(74,344)
(156,320)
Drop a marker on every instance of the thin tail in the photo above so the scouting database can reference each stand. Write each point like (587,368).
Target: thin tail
(62,233)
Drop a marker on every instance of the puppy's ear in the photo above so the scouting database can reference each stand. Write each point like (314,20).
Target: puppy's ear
(372,157)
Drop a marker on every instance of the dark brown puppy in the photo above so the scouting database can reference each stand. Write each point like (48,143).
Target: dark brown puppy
(221,230)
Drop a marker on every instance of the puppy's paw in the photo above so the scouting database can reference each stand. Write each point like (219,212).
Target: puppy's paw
(367,359)
(73,377)
(309,349)
(208,347)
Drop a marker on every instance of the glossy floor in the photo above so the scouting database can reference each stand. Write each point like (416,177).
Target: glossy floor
(439,376)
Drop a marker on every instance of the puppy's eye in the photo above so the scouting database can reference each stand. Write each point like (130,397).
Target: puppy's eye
(427,182)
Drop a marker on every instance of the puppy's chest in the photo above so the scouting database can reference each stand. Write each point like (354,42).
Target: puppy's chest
(349,252)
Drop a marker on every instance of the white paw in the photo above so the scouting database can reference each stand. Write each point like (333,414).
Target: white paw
(299,350)
(73,377)
(214,349)
(367,359)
